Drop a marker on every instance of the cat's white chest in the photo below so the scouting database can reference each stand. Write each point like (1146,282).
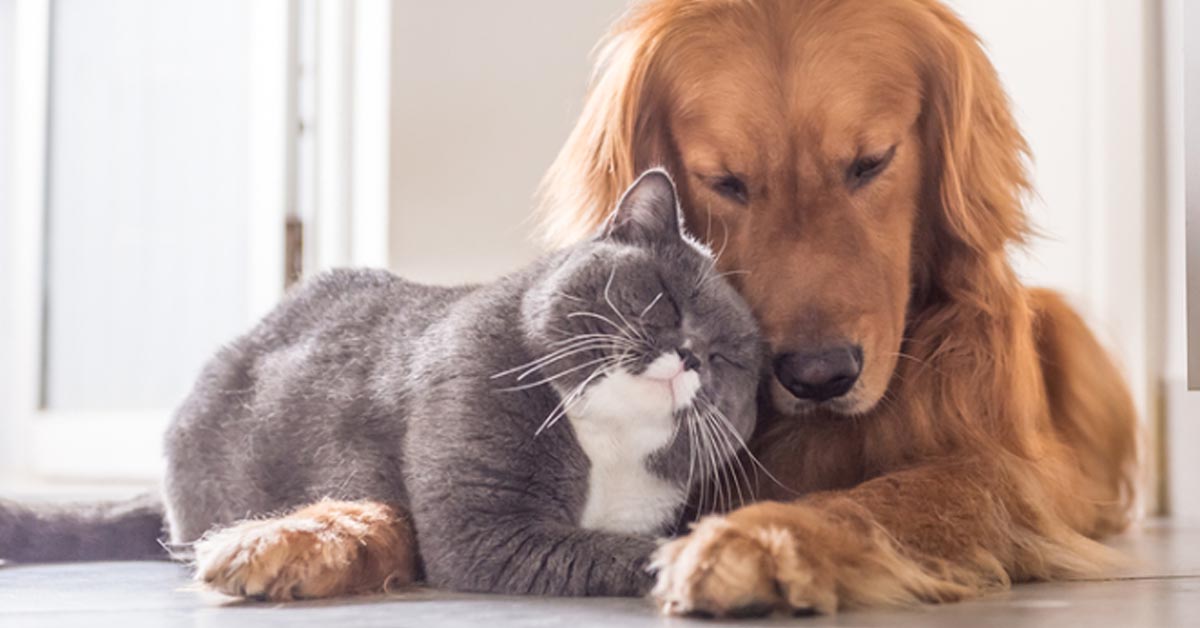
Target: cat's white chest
(619,422)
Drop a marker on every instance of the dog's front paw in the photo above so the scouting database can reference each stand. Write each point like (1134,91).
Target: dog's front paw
(724,568)
(274,559)
(324,550)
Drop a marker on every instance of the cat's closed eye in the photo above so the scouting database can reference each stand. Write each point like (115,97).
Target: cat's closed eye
(721,358)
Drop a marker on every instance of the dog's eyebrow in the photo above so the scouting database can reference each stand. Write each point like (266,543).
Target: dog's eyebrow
(881,156)
(718,172)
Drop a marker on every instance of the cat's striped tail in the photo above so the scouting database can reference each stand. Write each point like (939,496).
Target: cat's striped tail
(120,530)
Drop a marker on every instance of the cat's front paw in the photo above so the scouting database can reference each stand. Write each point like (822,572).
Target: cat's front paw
(328,549)
(726,568)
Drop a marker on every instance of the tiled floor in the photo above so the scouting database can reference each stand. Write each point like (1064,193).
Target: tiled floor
(1161,589)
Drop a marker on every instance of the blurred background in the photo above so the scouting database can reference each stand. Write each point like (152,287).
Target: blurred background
(167,167)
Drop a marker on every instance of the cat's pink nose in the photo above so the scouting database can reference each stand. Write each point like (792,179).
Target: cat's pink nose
(689,359)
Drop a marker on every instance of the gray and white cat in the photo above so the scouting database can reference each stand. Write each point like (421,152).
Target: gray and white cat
(540,430)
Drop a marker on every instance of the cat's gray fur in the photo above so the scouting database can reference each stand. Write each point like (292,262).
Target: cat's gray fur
(361,385)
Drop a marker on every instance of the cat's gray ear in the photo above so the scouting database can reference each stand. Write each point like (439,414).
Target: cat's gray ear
(648,212)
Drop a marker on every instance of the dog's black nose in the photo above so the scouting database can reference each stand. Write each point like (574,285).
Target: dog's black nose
(820,375)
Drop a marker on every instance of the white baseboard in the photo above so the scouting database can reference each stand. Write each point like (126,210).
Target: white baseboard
(1182,449)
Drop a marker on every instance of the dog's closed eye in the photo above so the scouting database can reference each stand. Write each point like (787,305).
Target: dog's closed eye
(863,169)
(731,187)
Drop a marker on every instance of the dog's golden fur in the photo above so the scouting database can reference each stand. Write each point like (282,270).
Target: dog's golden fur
(990,437)
(326,549)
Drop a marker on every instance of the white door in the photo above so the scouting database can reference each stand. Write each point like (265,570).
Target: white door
(1181,52)
(146,214)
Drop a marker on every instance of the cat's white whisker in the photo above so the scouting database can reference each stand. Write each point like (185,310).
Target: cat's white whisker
(729,457)
(564,405)
(543,365)
(579,337)
(548,357)
(553,356)
(617,326)
(708,498)
(724,240)
(568,400)
(710,449)
(627,331)
(652,304)
(716,258)
(570,297)
(691,432)
(749,454)
(728,273)
(558,375)
(721,453)
(714,276)
(708,223)
(607,286)
(695,460)
(732,462)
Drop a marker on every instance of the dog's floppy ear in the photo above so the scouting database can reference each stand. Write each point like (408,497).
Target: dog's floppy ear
(977,155)
(616,134)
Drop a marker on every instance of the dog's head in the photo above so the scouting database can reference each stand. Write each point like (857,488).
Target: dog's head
(852,163)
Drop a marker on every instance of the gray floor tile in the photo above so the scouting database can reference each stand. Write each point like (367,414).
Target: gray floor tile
(1161,589)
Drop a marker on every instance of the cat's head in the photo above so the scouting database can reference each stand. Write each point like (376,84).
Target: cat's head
(642,307)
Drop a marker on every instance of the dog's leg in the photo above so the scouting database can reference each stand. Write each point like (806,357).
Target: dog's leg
(1092,413)
(326,549)
(929,534)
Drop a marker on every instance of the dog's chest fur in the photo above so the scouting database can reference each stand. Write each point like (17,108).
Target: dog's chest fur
(619,423)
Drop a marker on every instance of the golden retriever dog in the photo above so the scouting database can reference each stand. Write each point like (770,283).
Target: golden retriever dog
(937,428)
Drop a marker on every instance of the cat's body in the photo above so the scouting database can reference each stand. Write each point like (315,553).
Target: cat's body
(540,430)
(296,410)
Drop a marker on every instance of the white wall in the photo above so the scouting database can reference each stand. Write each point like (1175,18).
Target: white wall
(484,95)
(1044,66)
(6,73)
